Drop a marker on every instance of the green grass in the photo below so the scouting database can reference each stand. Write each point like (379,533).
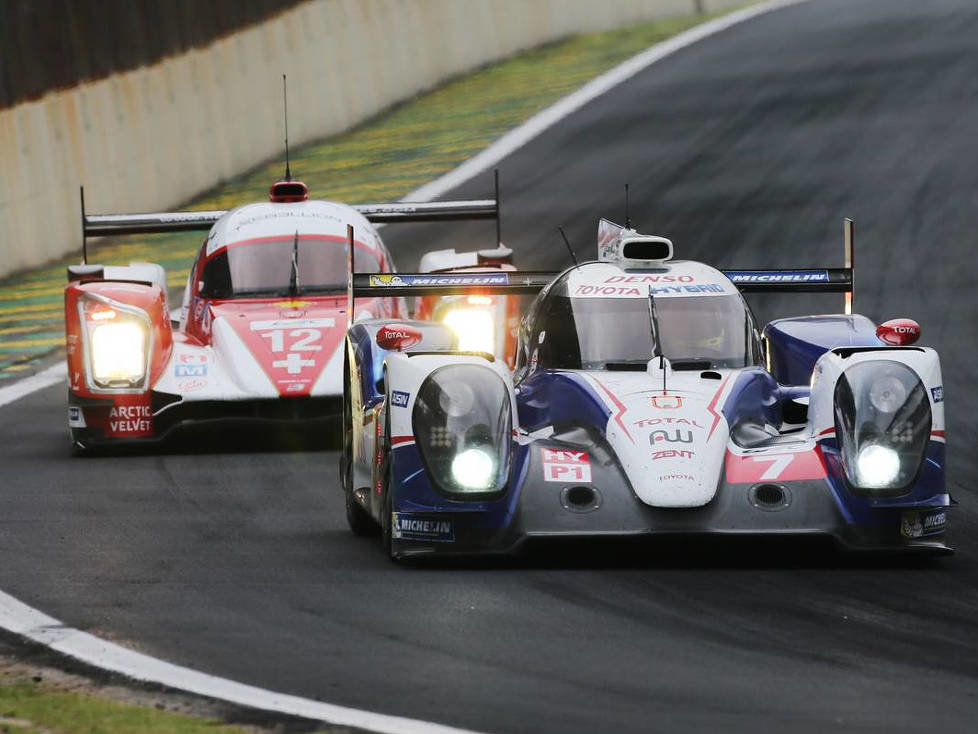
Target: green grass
(32,709)
(381,160)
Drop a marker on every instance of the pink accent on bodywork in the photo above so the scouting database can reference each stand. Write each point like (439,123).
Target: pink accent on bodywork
(619,405)
(712,407)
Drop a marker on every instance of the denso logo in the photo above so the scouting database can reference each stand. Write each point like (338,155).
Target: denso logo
(678,436)
(650,279)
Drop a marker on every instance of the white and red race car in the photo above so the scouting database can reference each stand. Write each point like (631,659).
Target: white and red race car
(260,331)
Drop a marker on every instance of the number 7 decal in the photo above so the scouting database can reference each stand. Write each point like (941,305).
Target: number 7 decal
(779,463)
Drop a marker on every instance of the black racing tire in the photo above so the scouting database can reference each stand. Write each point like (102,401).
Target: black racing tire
(387,508)
(357,517)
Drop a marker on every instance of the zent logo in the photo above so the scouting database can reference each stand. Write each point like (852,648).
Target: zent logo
(672,454)
(938,393)
(400,399)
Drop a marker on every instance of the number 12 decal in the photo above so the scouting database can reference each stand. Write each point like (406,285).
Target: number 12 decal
(305,340)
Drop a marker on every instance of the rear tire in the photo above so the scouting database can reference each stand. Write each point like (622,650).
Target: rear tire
(387,508)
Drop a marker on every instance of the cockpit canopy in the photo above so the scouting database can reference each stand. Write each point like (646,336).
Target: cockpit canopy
(263,267)
(568,331)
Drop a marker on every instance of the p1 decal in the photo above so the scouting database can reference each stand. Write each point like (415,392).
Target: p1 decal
(400,399)
(566,466)
(937,393)
(415,527)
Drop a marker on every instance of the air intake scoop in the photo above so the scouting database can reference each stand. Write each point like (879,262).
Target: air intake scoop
(285,192)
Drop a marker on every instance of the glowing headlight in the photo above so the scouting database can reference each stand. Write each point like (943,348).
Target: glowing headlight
(118,353)
(474,469)
(474,328)
(882,424)
(877,466)
(462,423)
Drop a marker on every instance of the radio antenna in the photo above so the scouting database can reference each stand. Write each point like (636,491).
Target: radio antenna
(499,216)
(81,194)
(285,105)
(628,219)
(569,248)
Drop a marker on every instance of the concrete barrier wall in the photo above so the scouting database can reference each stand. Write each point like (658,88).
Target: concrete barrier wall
(151,138)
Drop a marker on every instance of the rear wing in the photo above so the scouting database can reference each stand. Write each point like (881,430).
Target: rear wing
(812,280)
(98,225)
(376,285)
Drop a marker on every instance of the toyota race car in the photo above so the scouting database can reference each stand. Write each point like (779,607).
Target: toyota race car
(643,402)
(260,331)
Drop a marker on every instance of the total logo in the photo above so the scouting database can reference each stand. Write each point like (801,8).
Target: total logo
(648,422)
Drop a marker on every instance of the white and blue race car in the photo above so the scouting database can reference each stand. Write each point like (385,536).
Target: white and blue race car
(643,402)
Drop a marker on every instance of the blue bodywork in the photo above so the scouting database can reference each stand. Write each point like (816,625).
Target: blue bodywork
(575,416)
(794,345)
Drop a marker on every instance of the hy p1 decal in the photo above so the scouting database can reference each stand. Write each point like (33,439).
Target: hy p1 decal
(565,466)
(400,399)
(416,527)
(938,393)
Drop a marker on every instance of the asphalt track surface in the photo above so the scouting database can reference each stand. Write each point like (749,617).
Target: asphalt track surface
(747,149)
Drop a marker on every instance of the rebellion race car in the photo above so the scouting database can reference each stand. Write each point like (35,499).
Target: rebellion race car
(643,402)
(259,334)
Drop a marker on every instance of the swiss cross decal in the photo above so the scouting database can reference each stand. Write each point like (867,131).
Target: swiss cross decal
(292,351)
(560,465)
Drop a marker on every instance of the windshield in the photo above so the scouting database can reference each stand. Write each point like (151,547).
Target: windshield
(605,333)
(263,268)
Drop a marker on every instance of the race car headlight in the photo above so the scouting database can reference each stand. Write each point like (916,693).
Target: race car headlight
(118,346)
(463,424)
(882,422)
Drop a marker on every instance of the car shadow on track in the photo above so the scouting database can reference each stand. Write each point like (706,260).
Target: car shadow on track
(232,438)
(686,553)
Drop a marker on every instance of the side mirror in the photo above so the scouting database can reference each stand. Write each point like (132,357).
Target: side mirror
(397,337)
(898,332)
